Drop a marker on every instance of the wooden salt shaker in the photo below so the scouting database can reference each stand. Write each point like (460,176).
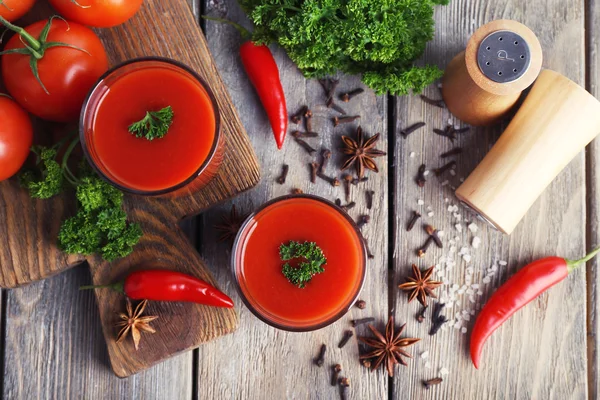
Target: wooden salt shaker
(556,121)
(482,83)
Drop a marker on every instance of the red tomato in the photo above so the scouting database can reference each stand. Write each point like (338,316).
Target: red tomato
(12,10)
(97,13)
(68,74)
(16,136)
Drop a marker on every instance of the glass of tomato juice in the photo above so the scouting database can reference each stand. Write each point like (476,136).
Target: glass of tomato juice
(257,265)
(188,156)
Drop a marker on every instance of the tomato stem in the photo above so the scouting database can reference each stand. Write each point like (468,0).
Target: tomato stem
(573,264)
(243,31)
(69,175)
(32,42)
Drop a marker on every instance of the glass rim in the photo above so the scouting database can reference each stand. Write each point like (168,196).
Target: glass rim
(343,309)
(205,163)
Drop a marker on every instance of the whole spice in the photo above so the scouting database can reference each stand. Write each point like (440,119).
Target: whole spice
(347,181)
(453,152)
(369,195)
(346,97)
(308,121)
(297,117)
(133,322)
(421,176)
(434,102)
(296,191)
(369,254)
(363,220)
(332,104)
(325,157)
(431,382)
(348,206)
(362,152)
(344,385)
(361,304)
(321,357)
(300,135)
(262,70)
(433,233)
(388,349)
(439,171)
(437,319)
(357,322)
(450,132)
(333,181)
(329,85)
(366,363)
(284,173)
(165,285)
(230,224)
(346,338)
(313,171)
(335,373)
(423,250)
(523,287)
(413,220)
(421,314)
(356,181)
(344,120)
(407,131)
(307,147)
(420,285)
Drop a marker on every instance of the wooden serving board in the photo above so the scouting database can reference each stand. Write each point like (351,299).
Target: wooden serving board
(28,228)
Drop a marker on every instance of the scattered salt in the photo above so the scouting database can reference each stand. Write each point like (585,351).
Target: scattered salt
(444,371)
(452,172)
(420,202)
(458,227)
(503,263)
(476,242)
(441,233)
(445,183)
(426,173)
(472,227)
(425,354)
(467,317)
(463,330)
(412,154)
(467,258)
(430,214)
(427,364)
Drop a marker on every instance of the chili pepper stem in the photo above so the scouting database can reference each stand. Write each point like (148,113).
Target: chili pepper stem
(573,264)
(117,286)
(31,41)
(243,31)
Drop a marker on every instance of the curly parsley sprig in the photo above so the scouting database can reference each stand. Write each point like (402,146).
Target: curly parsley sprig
(155,125)
(304,272)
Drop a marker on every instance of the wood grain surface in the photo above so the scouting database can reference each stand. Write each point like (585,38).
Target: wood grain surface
(53,343)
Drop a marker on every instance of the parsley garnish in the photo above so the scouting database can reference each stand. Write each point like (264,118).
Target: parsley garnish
(304,272)
(154,125)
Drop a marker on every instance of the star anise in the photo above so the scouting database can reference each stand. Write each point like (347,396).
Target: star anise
(362,152)
(421,285)
(230,225)
(134,322)
(388,348)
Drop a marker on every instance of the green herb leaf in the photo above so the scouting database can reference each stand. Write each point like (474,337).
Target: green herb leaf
(154,125)
(304,272)
(48,180)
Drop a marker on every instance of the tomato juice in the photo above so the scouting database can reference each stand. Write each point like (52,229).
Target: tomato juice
(257,265)
(123,97)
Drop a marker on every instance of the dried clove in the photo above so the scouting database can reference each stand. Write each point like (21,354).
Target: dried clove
(299,114)
(356,181)
(439,171)
(431,382)
(347,335)
(434,102)
(433,233)
(346,97)
(357,322)
(344,385)
(332,181)
(361,304)
(347,181)
(407,131)
(346,207)
(284,173)
(450,132)
(366,363)
(305,146)
(313,171)
(344,120)
(325,157)
(369,194)
(369,254)
(335,373)
(363,220)
(296,191)
(421,314)
(412,221)
(308,122)
(421,252)
(332,104)
(453,152)
(329,85)
(421,176)
(437,319)
(321,357)
(299,135)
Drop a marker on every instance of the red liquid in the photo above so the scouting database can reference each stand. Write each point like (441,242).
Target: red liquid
(259,267)
(160,164)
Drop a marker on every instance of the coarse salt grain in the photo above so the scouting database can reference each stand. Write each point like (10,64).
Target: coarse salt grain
(479,292)
(426,172)
(486,279)
(445,183)
(458,227)
(412,154)
(420,202)
(444,371)
(503,263)
(467,258)
(430,214)
(441,233)
(467,317)
(452,172)
(427,364)
(425,354)
(476,242)
(463,330)
(472,227)
(475,286)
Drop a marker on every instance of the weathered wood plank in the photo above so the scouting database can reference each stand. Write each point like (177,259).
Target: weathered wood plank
(593,208)
(54,347)
(258,361)
(541,352)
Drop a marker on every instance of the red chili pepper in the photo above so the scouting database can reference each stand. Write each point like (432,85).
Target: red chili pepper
(518,291)
(262,70)
(165,285)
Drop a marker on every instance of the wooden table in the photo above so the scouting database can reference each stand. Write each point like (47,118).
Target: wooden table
(52,341)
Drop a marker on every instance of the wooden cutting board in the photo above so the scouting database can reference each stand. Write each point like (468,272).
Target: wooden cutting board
(29,228)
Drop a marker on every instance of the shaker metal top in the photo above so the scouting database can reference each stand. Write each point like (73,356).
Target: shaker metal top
(503,56)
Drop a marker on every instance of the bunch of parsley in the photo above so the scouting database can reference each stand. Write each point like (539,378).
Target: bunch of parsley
(379,39)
